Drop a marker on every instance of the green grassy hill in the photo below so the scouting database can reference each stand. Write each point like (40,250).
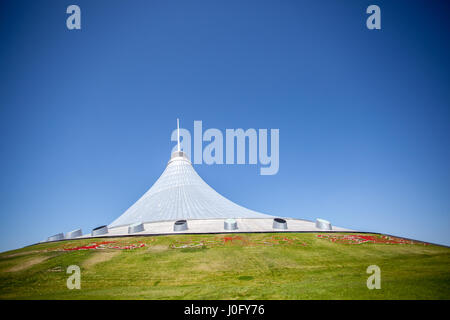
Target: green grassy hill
(238,266)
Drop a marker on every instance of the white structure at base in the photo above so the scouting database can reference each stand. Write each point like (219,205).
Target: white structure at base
(56,237)
(74,234)
(99,231)
(216,226)
(135,228)
(323,224)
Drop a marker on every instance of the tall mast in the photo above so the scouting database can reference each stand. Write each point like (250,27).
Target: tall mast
(178,133)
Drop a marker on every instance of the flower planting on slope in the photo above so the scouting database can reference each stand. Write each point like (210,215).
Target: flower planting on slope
(237,240)
(362,238)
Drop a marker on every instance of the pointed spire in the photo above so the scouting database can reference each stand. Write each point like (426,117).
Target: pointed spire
(178,133)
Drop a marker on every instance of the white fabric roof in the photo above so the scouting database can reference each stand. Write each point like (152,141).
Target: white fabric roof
(180,193)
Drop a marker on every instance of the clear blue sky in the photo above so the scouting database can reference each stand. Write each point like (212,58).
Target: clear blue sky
(86,116)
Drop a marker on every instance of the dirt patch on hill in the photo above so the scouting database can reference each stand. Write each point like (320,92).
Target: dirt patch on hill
(158,248)
(209,267)
(27,264)
(99,257)
(18,254)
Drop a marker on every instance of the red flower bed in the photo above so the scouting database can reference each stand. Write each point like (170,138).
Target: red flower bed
(237,240)
(359,239)
(107,245)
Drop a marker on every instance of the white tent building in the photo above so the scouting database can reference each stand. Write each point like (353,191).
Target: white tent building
(181,202)
(179,194)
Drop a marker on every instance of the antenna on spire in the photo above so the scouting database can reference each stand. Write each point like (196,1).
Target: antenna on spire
(178,133)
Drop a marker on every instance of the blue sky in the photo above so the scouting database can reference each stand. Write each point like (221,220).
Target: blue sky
(86,115)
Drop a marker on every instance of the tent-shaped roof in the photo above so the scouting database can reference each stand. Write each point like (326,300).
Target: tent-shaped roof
(180,193)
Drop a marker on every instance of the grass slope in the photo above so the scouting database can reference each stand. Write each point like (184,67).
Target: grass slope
(249,266)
